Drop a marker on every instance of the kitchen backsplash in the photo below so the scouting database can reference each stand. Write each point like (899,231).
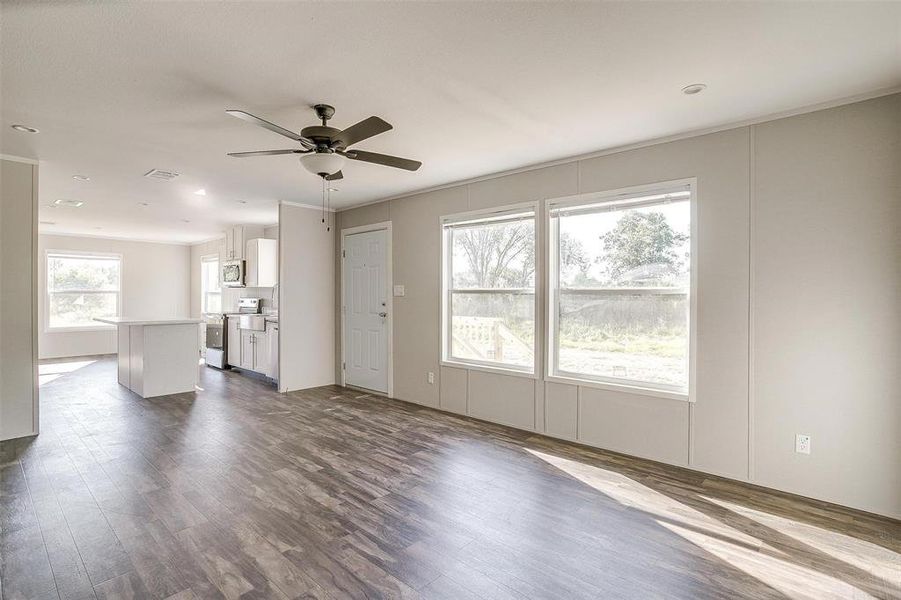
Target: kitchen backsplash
(230,297)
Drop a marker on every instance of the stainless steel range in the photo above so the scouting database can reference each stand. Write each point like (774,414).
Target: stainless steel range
(217,332)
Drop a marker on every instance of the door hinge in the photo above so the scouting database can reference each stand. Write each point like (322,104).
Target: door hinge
(344,254)
(344,366)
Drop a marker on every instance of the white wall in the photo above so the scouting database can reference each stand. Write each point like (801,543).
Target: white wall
(18,345)
(155,283)
(812,203)
(306,299)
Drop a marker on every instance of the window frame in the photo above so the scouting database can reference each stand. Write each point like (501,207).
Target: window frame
(48,293)
(445,258)
(643,388)
(204,259)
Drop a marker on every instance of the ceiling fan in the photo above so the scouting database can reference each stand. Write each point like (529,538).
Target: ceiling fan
(325,148)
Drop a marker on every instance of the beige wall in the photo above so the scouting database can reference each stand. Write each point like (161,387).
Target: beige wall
(155,283)
(827,304)
(18,272)
(766,196)
(306,299)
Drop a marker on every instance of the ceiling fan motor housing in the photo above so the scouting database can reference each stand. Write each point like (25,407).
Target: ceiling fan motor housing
(321,134)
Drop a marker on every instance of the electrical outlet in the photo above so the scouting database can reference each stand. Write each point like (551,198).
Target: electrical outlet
(802,443)
(431,377)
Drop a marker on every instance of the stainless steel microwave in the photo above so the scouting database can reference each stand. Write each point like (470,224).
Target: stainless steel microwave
(233,273)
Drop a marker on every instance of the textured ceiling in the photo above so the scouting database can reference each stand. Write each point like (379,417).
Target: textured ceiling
(471,89)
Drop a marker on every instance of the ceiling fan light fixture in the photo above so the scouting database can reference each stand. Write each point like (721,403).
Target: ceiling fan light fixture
(322,163)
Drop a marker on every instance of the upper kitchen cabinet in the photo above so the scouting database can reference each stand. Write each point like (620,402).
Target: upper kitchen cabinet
(235,239)
(261,257)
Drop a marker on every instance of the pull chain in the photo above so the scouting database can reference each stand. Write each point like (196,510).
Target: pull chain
(328,213)
(323,199)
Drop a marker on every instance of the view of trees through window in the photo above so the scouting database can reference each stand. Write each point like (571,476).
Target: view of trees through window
(623,292)
(620,279)
(81,288)
(492,305)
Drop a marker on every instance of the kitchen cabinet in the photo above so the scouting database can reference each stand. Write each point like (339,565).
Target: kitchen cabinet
(272,335)
(255,352)
(261,352)
(234,342)
(236,238)
(234,243)
(261,256)
(247,353)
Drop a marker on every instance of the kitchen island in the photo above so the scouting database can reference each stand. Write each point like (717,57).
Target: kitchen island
(157,356)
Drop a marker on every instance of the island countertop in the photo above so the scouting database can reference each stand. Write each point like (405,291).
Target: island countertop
(128,321)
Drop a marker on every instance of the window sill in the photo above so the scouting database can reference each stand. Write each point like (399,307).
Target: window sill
(622,388)
(85,328)
(487,369)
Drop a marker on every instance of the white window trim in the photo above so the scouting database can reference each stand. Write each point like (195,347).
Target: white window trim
(446,360)
(553,294)
(203,259)
(46,291)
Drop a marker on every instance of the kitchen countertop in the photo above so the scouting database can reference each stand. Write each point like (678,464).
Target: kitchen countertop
(273,318)
(127,321)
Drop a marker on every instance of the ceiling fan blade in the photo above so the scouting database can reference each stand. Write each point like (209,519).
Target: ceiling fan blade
(246,116)
(334,176)
(266,153)
(363,130)
(383,159)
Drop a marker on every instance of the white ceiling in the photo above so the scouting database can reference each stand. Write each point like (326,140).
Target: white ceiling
(471,89)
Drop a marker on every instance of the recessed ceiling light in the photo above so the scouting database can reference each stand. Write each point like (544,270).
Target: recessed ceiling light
(69,203)
(25,129)
(81,178)
(334,190)
(695,88)
(186,220)
(200,192)
(143,204)
(242,201)
(46,222)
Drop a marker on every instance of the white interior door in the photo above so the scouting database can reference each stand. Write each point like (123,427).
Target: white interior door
(366,310)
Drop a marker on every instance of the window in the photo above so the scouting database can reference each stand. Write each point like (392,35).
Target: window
(80,288)
(489,290)
(210,291)
(620,282)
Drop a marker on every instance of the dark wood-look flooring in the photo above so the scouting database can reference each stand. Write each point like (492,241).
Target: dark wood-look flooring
(238,491)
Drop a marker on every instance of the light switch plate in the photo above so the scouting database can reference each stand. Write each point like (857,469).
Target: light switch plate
(399,290)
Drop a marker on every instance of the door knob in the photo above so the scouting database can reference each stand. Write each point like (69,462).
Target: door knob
(383,314)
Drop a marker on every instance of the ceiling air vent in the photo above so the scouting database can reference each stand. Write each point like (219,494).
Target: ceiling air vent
(160,174)
(68,203)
